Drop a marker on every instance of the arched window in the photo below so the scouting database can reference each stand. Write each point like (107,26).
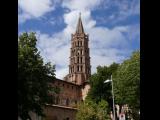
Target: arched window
(67,101)
(81,59)
(81,68)
(67,118)
(78,52)
(77,59)
(75,101)
(77,68)
(57,100)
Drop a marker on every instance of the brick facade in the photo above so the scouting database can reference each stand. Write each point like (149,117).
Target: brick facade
(75,86)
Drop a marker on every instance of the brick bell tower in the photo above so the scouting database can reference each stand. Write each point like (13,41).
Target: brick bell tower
(79,68)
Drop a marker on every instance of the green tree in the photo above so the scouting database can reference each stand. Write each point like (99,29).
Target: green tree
(89,110)
(33,78)
(99,90)
(127,83)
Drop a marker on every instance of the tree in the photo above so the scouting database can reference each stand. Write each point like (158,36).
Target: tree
(127,83)
(34,78)
(99,90)
(89,110)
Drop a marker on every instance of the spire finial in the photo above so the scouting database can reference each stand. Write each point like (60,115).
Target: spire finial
(79,14)
(79,25)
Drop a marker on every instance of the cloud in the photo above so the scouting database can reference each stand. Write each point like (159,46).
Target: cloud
(30,9)
(103,44)
(118,10)
(81,4)
(107,45)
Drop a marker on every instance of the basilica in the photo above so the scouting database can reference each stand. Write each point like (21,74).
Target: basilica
(75,86)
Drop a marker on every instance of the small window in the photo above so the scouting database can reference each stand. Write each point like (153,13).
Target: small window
(67,118)
(57,101)
(81,68)
(77,68)
(67,101)
(77,59)
(75,101)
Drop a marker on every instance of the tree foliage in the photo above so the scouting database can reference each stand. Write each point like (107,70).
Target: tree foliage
(127,82)
(33,77)
(89,110)
(99,90)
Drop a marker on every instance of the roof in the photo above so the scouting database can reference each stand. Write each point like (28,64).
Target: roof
(67,82)
(60,106)
(79,28)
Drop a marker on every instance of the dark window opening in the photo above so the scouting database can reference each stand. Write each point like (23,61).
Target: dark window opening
(77,59)
(81,59)
(57,100)
(67,102)
(67,118)
(81,68)
(77,68)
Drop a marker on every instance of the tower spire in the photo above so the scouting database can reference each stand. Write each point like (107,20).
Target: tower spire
(79,67)
(79,28)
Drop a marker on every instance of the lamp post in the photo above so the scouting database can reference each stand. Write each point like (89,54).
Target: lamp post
(106,81)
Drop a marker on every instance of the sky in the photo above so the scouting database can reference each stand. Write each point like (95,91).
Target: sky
(113,27)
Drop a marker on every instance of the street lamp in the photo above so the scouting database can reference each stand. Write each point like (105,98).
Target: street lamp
(106,81)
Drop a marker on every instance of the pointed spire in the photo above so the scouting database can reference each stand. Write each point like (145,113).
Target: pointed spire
(79,28)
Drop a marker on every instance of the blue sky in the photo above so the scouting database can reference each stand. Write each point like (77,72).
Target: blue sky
(113,27)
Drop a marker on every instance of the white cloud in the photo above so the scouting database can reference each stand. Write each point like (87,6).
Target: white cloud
(120,10)
(104,38)
(106,45)
(71,19)
(103,47)
(61,73)
(81,4)
(34,8)
(106,56)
